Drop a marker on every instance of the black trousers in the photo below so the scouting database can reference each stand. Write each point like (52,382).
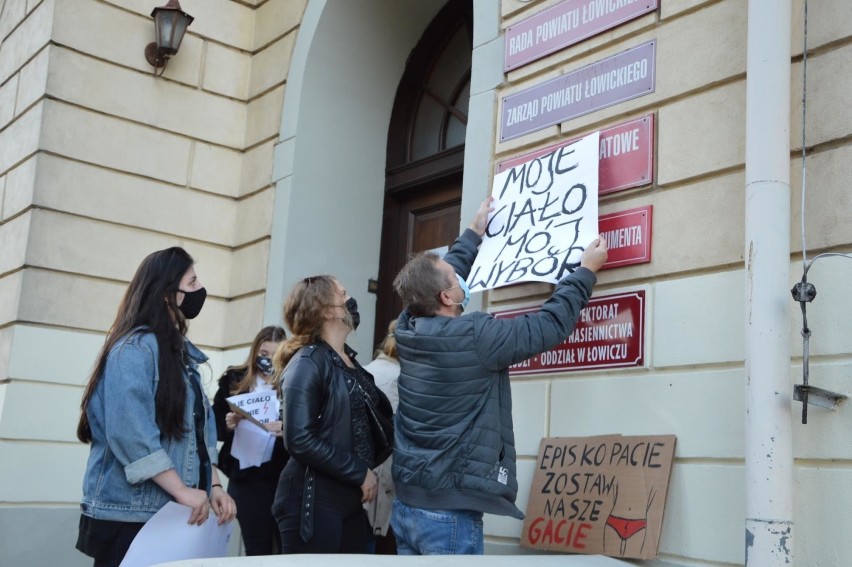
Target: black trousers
(340,522)
(254,495)
(113,555)
(105,540)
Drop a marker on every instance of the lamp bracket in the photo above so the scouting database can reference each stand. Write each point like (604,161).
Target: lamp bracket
(153,56)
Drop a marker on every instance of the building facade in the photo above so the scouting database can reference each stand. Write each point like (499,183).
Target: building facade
(295,137)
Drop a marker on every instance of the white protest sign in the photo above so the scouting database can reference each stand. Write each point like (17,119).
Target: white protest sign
(262,406)
(545,214)
(252,446)
(168,537)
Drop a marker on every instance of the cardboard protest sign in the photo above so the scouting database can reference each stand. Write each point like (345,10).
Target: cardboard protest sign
(599,495)
(545,213)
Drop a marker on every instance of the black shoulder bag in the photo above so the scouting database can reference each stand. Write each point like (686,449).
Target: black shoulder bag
(381,430)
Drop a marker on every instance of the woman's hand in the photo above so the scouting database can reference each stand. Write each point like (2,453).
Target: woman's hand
(231,420)
(197,500)
(274,427)
(370,487)
(223,505)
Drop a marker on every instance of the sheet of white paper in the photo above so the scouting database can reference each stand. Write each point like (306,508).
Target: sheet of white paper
(545,214)
(263,406)
(250,444)
(267,452)
(167,537)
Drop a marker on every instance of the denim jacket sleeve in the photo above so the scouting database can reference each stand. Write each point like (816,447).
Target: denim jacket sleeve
(130,381)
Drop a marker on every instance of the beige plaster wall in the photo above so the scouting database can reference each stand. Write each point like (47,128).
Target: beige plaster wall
(692,382)
(102,163)
(117,162)
(114,163)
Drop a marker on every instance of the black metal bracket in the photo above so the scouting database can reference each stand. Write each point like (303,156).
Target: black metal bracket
(803,293)
(818,397)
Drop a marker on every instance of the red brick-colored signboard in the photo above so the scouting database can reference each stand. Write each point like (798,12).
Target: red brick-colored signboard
(565,24)
(628,236)
(609,334)
(626,155)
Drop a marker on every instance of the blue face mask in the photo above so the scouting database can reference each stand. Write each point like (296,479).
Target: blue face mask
(466,290)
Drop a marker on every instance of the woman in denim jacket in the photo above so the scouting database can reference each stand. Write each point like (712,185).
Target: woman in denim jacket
(152,434)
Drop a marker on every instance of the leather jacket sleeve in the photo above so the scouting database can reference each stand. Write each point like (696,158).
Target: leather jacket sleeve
(311,416)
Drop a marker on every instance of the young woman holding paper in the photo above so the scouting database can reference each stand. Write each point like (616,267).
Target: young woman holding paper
(253,488)
(145,415)
(335,425)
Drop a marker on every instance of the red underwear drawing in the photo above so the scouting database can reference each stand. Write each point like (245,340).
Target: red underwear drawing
(626,528)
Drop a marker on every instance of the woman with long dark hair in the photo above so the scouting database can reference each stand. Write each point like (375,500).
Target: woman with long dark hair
(252,488)
(152,434)
(331,405)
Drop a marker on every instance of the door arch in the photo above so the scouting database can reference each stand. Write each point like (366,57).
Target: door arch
(329,160)
(425,150)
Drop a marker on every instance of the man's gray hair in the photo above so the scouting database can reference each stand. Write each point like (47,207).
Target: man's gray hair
(419,283)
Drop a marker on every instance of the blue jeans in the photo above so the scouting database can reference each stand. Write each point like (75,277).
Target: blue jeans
(436,532)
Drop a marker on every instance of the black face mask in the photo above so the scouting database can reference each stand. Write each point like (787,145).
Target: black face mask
(264,365)
(352,307)
(192,303)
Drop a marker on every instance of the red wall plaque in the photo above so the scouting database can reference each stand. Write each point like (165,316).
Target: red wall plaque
(609,334)
(628,236)
(626,155)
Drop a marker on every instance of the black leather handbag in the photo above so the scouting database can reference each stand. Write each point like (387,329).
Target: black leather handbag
(381,430)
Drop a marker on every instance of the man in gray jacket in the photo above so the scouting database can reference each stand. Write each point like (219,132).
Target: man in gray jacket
(454,454)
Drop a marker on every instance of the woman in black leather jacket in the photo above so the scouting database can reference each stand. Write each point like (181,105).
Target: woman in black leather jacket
(328,430)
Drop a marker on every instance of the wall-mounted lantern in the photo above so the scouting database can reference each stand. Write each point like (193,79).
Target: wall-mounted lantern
(170,23)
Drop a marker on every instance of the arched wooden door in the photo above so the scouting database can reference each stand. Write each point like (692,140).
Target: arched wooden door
(423,182)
